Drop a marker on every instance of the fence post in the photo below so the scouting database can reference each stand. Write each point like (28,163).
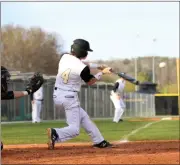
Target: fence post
(95,100)
(106,101)
(141,98)
(54,109)
(103,102)
(132,108)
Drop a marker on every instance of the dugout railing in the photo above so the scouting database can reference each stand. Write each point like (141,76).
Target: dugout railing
(94,99)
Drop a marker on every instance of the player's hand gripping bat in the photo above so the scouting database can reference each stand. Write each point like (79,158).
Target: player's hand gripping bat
(120,74)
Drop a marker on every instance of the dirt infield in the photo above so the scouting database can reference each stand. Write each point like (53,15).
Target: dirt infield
(150,152)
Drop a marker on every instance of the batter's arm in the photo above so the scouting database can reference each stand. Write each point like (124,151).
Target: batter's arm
(87,76)
(91,79)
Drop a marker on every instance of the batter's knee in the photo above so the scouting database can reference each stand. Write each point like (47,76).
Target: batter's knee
(74,130)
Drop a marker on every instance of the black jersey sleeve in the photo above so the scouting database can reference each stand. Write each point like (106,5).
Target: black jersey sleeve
(7,95)
(116,85)
(86,75)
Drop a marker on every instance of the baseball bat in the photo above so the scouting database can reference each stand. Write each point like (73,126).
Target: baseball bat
(128,78)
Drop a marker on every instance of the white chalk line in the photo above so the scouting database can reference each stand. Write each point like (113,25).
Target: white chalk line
(125,138)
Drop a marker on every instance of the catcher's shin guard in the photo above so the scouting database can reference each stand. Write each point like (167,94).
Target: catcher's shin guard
(52,136)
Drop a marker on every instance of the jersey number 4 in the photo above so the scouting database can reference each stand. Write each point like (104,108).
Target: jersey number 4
(65,75)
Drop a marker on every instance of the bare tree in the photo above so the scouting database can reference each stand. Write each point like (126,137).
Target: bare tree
(30,49)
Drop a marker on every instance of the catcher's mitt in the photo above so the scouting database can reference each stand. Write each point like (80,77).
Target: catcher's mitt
(34,83)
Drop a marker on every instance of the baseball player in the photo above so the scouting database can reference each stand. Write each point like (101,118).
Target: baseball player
(36,100)
(34,84)
(71,73)
(117,99)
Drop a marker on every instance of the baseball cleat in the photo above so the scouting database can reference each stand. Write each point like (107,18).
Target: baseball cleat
(52,136)
(103,144)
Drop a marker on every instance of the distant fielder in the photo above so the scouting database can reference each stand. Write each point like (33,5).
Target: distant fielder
(37,100)
(117,99)
(71,73)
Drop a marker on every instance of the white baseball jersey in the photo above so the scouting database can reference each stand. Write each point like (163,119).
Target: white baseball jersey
(121,86)
(118,102)
(68,77)
(38,95)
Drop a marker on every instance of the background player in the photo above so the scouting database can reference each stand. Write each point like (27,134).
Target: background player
(71,72)
(117,99)
(37,100)
(34,84)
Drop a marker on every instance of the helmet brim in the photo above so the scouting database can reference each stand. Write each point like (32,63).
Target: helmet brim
(90,50)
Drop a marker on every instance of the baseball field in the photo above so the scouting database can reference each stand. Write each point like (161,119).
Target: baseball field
(136,141)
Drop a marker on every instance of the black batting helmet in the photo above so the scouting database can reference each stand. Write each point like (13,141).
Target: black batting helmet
(80,48)
(5,77)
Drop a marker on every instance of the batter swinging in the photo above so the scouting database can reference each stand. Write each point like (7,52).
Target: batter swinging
(71,72)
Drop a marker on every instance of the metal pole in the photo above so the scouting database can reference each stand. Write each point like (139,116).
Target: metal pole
(153,60)
(135,60)
(135,69)
(177,68)
(178,81)
(153,65)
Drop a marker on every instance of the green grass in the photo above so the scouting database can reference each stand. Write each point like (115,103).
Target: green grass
(163,130)
(28,133)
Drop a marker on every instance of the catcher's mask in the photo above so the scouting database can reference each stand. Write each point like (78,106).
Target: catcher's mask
(80,48)
(5,77)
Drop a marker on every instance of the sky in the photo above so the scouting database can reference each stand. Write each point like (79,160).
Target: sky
(113,29)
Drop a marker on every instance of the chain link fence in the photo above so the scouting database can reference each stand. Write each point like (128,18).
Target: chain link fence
(94,99)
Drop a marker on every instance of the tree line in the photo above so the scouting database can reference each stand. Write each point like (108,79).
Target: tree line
(29,50)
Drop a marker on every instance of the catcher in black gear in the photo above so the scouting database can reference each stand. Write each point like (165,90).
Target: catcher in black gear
(33,85)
